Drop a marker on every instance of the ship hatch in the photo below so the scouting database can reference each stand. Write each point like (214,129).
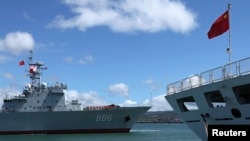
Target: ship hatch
(187,104)
(242,93)
(215,99)
(127,118)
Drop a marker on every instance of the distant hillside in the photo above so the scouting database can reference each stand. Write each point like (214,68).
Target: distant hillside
(160,116)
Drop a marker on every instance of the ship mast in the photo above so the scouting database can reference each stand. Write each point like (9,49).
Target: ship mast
(35,71)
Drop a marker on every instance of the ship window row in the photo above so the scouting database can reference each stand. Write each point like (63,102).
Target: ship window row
(10,101)
(58,94)
(25,101)
(215,99)
(39,107)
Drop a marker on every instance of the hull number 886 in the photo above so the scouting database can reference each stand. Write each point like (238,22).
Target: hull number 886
(104,118)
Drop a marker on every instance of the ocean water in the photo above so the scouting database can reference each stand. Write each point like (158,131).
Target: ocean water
(139,132)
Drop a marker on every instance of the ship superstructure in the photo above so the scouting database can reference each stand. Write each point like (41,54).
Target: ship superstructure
(43,109)
(220,96)
(39,97)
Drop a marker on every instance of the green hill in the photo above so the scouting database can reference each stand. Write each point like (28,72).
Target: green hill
(160,117)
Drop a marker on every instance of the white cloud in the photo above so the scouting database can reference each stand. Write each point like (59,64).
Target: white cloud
(17,42)
(119,89)
(84,60)
(128,15)
(129,103)
(69,59)
(87,99)
(27,16)
(7,92)
(9,76)
(158,103)
(152,85)
(148,81)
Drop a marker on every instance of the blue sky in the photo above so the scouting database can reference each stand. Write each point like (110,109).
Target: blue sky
(123,52)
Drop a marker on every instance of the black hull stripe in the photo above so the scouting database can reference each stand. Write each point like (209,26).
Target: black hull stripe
(77,131)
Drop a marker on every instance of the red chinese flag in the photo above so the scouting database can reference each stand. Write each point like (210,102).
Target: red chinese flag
(33,68)
(220,26)
(21,63)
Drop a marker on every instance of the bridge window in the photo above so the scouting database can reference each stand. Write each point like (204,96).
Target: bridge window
(215,99)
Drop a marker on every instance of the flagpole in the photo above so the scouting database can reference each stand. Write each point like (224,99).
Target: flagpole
(229,38)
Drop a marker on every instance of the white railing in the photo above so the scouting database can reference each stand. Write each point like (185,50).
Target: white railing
(228,71)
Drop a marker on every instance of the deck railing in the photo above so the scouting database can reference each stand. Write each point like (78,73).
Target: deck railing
(228,71)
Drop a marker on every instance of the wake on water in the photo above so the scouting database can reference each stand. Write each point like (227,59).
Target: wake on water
(145,131)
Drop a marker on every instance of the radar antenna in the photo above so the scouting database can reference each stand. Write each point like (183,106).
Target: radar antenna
(35,71)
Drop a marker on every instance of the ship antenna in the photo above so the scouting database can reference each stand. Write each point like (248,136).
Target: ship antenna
(229,38)
(35,71)
(30,58)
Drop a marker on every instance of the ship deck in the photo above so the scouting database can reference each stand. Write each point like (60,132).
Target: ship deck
(228,71)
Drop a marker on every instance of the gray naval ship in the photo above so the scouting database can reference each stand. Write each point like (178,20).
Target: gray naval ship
(42,109)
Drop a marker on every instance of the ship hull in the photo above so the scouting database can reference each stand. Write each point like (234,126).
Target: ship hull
(117,120)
